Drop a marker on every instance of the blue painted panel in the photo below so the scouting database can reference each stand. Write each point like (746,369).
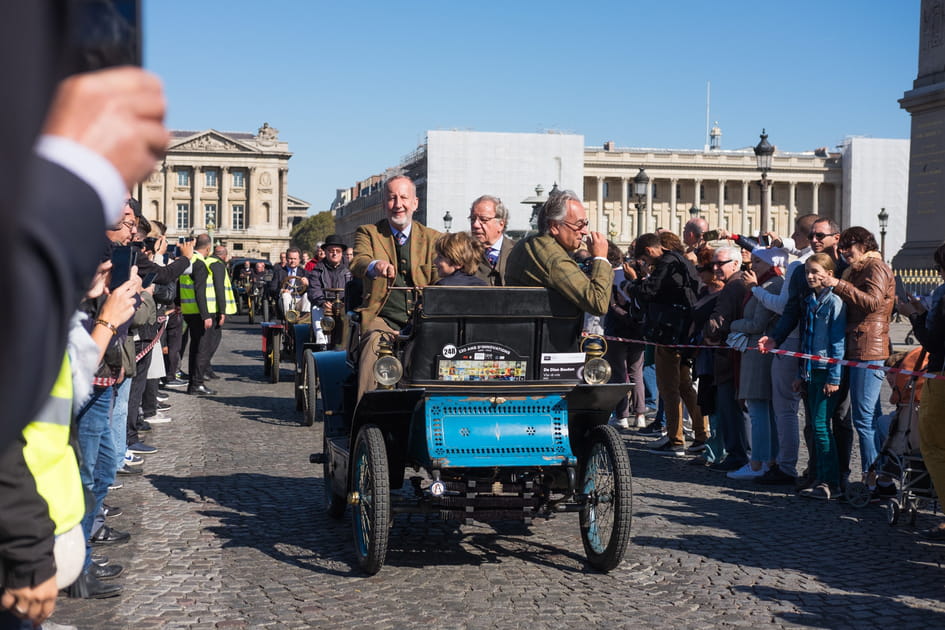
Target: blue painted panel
(473,432)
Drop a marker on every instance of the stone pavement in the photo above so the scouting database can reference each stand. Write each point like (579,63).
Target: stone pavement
(228,531)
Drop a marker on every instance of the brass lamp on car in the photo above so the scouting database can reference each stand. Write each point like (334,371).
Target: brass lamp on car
(596,368)
(388,369)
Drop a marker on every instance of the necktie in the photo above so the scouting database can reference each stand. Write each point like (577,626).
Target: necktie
(401,238)
(492,255)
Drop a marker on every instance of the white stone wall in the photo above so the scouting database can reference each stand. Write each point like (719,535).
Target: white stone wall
(462,165)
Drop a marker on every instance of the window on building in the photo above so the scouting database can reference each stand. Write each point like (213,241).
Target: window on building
(211,178)
(210,214)
(239,179)
(183,216)
(701,192)
(751,195)
(237,247)
(678,192)
(655,189)
(725,193)
(239,219)
(183,177)
(606,190)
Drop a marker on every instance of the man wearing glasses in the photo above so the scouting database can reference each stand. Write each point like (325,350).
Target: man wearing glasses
(487,220)
(545,259)
(824,235)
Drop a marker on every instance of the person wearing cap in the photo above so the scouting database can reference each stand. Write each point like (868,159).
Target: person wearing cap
(329,272)
(754,381)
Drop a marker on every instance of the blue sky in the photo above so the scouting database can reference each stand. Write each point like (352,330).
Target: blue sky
(353,86)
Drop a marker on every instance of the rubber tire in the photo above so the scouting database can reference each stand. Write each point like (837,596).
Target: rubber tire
(275,348)
(857,494)
(310,394)
(299,378)
(265,310)
(606,451)
(334,503)
(251,310)
(892,512)
(370,516)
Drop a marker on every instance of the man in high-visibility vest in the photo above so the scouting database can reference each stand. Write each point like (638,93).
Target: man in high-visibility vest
(198,304)
(225,301)
(41,508)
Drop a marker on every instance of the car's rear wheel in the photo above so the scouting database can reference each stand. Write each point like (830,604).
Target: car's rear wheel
(275,350)
(309,389)
(607,512)
(371,506)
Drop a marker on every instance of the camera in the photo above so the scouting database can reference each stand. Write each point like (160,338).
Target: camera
(149,243)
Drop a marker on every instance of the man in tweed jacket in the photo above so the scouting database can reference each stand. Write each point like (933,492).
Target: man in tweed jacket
(393,252)
(544,260)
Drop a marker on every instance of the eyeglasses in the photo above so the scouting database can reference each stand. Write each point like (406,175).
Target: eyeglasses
(819,236)
(721,263)
(473,219)
(577,227)
(131,225)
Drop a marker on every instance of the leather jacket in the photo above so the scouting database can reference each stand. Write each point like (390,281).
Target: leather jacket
(869,290)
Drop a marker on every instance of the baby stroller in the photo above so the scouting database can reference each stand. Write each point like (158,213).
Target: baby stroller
(902,461)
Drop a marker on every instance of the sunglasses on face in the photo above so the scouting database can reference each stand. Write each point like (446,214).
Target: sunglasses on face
(819,236)
(577,227)
(720,263)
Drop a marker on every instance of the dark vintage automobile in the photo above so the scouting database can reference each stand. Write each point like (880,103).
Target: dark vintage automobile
(252,295)
(326,330)
(493,394)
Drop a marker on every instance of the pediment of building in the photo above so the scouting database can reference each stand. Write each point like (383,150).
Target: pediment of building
(211,141)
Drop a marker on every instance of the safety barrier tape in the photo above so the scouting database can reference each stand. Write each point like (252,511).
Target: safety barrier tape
(787,353)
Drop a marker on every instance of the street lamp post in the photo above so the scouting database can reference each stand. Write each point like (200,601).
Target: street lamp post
(883,222)
(694,211)
(641,184)
(447,221)
(763,153)
(210,227)
(536,202)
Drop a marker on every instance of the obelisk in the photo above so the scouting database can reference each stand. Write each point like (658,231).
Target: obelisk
(925,220)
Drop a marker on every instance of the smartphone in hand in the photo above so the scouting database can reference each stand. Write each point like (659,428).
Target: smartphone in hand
(123,259)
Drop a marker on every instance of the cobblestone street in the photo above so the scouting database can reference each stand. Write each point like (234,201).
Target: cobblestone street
(228,531)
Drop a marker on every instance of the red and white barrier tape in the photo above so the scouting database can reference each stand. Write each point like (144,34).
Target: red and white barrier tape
(787,353)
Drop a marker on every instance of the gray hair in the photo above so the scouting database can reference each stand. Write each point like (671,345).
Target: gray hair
(391,180)
(501,212)
(729,252)
(555,209)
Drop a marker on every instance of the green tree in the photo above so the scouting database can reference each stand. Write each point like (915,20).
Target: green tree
(308,233)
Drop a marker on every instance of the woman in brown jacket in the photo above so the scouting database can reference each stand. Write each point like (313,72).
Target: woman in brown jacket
(869,290)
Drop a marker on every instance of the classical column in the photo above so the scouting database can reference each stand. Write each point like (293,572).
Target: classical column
(792,205)
(815,208)
(721,208)
(745,226)
(226,217)
(767,193)
(200,219)
(283,197)
(599,215)
(248,212)
(696,195)
(672,202)
(169,212)
(624,211)
(644,227)
(838,202)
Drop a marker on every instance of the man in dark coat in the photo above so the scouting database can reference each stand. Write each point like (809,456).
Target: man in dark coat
(488,217)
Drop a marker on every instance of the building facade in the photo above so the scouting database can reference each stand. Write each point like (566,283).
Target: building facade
(232,185)
(723,186)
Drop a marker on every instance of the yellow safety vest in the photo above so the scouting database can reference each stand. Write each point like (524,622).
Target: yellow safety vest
(50,457)
(230,300)
(188,296)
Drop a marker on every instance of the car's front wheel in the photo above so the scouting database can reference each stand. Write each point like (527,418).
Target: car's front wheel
(370,483)
(607,512)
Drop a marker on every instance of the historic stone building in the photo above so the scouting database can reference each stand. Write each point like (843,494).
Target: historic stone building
(720,185)
(232,185)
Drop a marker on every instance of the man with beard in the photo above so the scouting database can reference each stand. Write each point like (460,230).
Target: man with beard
(394,252)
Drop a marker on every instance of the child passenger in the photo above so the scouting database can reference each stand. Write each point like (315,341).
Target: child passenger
(823,334)
(457,259)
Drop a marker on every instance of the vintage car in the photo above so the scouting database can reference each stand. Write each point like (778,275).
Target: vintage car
(251,296)
(325,330)
(495,395)
(278,336)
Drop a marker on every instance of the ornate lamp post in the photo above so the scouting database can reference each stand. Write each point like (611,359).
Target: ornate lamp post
(447,221)
(694,211)
(211,225)
(883,222)
(536,202)
(763,153)
(641,184)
